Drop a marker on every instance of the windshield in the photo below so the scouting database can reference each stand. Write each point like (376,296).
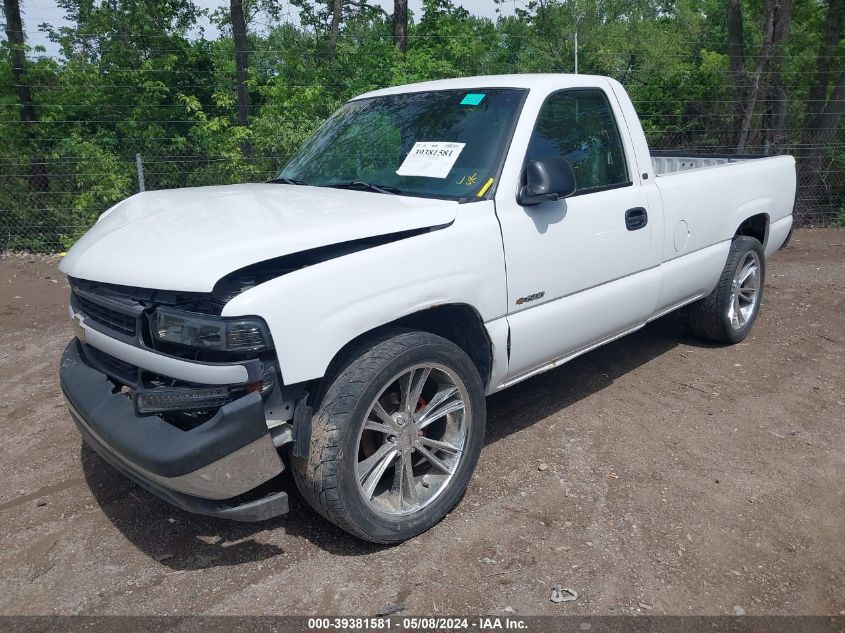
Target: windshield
(444,144)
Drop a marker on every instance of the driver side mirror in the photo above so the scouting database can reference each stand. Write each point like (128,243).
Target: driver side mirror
(546,179)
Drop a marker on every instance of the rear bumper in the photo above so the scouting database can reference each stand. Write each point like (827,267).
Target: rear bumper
(204,470)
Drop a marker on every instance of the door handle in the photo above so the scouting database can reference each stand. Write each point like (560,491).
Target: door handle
(636,218)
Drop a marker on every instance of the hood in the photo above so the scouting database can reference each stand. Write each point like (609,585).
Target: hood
(188,239)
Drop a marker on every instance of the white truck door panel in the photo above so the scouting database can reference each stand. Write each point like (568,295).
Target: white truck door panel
(559,330)
(570,250)
(574,244)
(576,272)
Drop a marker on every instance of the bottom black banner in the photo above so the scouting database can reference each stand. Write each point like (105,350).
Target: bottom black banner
(544,624)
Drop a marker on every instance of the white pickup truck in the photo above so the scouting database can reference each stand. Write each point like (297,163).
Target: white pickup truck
(430,244)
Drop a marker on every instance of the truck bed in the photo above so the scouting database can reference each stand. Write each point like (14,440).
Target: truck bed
(709,197)
(667,163)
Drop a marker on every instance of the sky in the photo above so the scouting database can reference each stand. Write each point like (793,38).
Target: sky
(36,12)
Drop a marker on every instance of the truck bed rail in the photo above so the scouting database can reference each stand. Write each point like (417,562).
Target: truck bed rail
(669,162)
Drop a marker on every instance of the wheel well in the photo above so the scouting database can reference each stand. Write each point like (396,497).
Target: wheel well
(458,323)
(756,226)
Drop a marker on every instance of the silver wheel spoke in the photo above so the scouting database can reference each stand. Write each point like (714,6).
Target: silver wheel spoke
(441,396)
(371,470)
(371,425)
(748,294)
(746,290)
(403,465)
(410,388)
(738,311)
(441,446)
(417,388)
(405,390)
(404,485)
(434,460)
(749,270)
(382,415)
(432,410)
(436,414)
(752,282)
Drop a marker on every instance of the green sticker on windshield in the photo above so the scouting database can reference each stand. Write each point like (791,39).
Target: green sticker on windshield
(472,98)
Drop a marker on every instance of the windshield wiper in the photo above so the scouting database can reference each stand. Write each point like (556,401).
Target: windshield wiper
(287,181)
(358,184)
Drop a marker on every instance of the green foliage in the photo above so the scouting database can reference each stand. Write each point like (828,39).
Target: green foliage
(139,77)
(98,180)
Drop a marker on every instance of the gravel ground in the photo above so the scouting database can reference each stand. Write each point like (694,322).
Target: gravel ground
(655,475)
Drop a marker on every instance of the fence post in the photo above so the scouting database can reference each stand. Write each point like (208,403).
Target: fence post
(139,164)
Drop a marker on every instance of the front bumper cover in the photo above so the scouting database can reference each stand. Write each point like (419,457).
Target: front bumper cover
(203,470)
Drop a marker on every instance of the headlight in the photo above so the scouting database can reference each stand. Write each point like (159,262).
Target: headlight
(208,332)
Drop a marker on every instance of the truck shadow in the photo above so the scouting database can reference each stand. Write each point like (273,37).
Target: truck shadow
(183,541)
(534,399)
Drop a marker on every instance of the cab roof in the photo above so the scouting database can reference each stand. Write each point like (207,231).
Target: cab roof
(545,82)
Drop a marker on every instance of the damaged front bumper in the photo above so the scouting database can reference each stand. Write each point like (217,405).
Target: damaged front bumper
(210,469)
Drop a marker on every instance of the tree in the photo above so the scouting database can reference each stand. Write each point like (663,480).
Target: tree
(736,58)
(400,24)
(137,76)
(241,68)
(334,32)
(826,99)
(38,180)
(775,105)
(776,21)
(817,173)
(754,88)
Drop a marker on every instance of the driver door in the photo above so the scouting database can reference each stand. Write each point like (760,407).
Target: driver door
(579,271)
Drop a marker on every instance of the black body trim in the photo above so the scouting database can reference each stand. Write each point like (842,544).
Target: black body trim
(248,511)
(153,444)
(265,270)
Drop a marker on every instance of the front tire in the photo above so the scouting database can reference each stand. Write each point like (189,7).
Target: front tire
(395,438)
(728,313)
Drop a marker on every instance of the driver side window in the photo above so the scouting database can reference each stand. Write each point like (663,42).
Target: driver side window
(578,126)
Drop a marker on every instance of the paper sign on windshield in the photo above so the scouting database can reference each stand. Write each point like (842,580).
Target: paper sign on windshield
(432,159)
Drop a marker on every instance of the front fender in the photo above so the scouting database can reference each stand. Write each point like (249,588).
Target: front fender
(313,312)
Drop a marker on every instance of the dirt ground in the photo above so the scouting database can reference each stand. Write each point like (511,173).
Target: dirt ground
(681,478)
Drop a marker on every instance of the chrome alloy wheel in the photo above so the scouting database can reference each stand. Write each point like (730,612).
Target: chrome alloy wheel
(412,439)
(745,291)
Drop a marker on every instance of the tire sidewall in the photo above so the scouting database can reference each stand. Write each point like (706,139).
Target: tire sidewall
(740,247)
(387,528)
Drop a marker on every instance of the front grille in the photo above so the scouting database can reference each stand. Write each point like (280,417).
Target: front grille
(111,366)
(111,319)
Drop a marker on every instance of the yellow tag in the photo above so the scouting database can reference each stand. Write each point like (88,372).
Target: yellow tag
(484,189)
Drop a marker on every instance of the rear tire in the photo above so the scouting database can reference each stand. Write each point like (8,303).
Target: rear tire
(395,437)
(728,313)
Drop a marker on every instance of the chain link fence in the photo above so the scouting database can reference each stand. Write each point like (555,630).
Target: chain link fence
(46,207)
